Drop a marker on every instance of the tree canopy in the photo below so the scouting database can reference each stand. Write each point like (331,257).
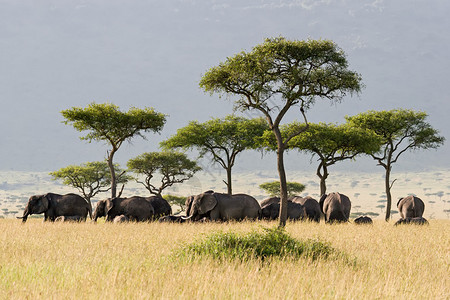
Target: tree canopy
(105,122)
(400,130)
(279,74)
(222,139)
(174,167)
(330,143)
(273,188)
(90,178)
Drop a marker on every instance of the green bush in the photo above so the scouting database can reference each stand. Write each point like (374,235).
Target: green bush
(273,242)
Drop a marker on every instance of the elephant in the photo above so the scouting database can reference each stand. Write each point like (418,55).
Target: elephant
(134,208)
(69,219)
(120,219)
(55,205)
(363,220)
(312,207)
(416,221)
(160,205)
(295,211)
(269,201)
(410,207)
(336,207)
(172,219)
(222,207)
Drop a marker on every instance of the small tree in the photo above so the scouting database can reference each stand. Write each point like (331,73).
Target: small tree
(278,75)
(174,167)
(273,188)
(105,122)
(176,200)
(331,143)
(223,139)
(400,130)
(90,178)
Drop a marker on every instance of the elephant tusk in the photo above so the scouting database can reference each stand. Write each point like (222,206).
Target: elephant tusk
(186,217)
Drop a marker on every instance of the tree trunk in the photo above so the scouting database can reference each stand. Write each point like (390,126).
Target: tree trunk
(282,175)
(229,187)
(388,193)
(323,177)
(113,174)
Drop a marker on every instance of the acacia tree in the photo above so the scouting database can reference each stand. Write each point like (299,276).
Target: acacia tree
(331,143)
(222,139)
(90,178)
(278,75)
(273,188)
(174,167)
(105,122)
(400,130)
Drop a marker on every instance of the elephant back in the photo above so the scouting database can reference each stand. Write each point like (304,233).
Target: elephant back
(160,206)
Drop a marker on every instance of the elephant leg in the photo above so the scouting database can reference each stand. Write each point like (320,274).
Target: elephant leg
(214,215)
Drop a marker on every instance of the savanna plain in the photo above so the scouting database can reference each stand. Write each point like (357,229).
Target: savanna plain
(143,261)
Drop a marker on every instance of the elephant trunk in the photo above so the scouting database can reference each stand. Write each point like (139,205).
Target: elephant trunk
(25,215)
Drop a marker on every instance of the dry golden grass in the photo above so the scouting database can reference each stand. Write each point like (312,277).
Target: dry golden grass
(137,261)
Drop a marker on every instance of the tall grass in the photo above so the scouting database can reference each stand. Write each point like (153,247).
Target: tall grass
(136,261)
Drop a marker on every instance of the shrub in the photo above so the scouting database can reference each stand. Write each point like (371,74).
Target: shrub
(273,242)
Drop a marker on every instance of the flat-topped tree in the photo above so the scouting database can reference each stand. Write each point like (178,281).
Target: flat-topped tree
(222,139)
(90,178)
(331,143)
(105,122)
(400,130)
(173,167)
(278,75)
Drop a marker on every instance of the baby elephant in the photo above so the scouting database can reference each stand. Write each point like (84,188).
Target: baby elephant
(172,219)
(120,219)
(363,220)
(416,221)
(70,219)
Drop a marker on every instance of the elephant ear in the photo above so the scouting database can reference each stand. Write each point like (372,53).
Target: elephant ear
(207,203)
(45,201)
(399,201)
(321,201)
(109,204)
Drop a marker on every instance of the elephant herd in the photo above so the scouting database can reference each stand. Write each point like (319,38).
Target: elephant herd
(210,206)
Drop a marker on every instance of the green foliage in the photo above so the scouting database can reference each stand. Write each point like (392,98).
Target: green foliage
(90,178)
(105,122)
(297,71)
(278,75)
(176,200)
(331,143)
(399,130)
(174,167)
(273,242)
(223,139)
(273,188)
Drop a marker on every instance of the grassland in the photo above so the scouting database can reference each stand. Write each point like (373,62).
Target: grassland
(138,261)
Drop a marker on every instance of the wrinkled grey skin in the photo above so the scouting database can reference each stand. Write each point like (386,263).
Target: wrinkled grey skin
(410,207)
(312,207)
(70,219)
(295,211)
(172,219)
(335,207)
(55,205)
(363,220)
(120,219)
(416,221)
(222,207)
(160,205)
(134,208)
